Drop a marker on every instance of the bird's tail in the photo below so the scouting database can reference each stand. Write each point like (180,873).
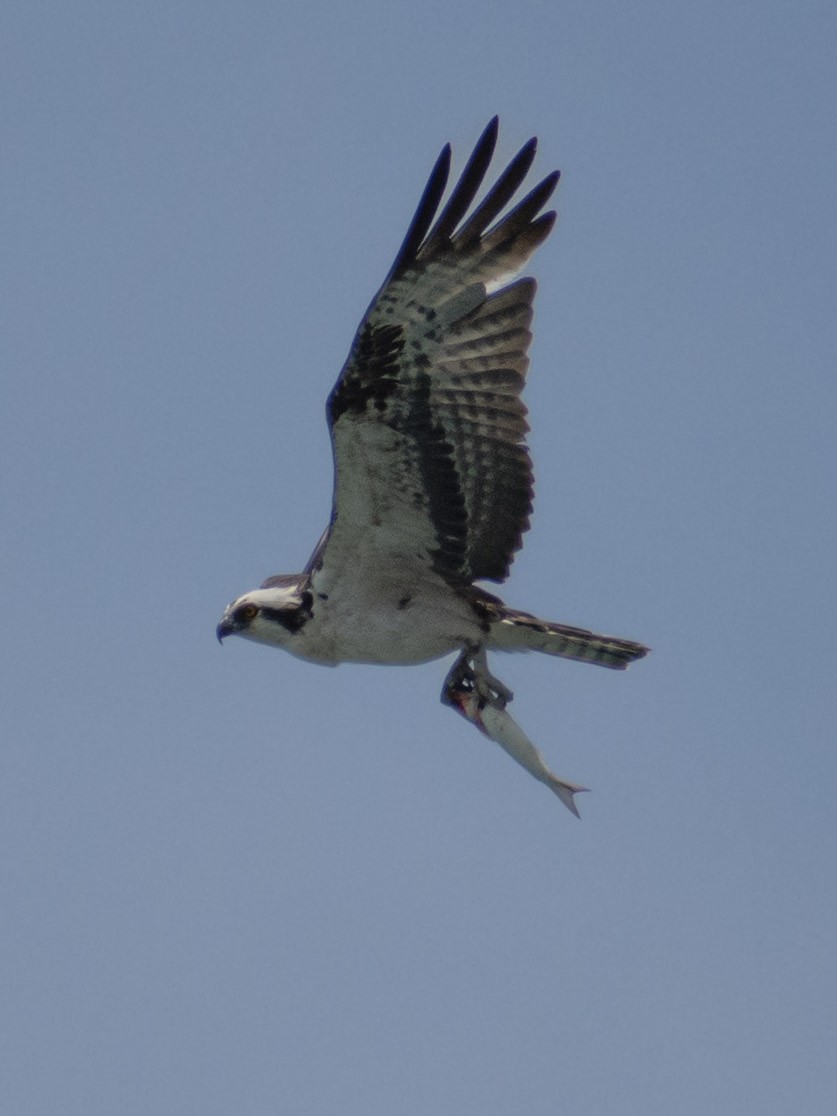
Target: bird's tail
(519,631)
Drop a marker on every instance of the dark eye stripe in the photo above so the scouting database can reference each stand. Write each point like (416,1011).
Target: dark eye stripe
(290,618)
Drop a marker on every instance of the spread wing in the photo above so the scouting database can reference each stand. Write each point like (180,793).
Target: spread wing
(426,420)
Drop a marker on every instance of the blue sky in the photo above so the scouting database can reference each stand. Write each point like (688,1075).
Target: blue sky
(234,882)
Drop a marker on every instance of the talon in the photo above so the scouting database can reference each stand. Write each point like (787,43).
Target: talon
(491,689)
(500,695)
(470,687)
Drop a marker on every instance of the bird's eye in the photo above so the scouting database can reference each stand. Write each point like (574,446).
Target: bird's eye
(249,612)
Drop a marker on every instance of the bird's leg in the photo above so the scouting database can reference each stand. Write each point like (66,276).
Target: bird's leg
(489,687)
(469,678)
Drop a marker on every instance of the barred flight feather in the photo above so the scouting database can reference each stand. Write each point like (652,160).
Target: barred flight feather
(440,362)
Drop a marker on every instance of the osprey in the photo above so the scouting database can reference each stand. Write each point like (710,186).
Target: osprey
(432,477)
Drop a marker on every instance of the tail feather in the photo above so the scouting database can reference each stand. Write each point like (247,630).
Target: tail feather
(519,631)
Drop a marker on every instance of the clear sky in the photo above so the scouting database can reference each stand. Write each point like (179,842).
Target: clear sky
(235,883)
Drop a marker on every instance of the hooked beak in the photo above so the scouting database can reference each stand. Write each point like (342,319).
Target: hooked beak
(225,628)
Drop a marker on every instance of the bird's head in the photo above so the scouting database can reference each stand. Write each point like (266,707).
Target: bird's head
(268,615)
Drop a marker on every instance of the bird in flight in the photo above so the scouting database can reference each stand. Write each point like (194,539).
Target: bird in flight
(432,477)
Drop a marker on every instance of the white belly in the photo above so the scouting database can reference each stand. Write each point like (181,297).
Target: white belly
(386,622)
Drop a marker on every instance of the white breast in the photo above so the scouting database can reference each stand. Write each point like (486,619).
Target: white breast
(389,618)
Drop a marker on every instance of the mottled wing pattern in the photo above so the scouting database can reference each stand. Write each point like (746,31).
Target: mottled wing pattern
(426,419)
